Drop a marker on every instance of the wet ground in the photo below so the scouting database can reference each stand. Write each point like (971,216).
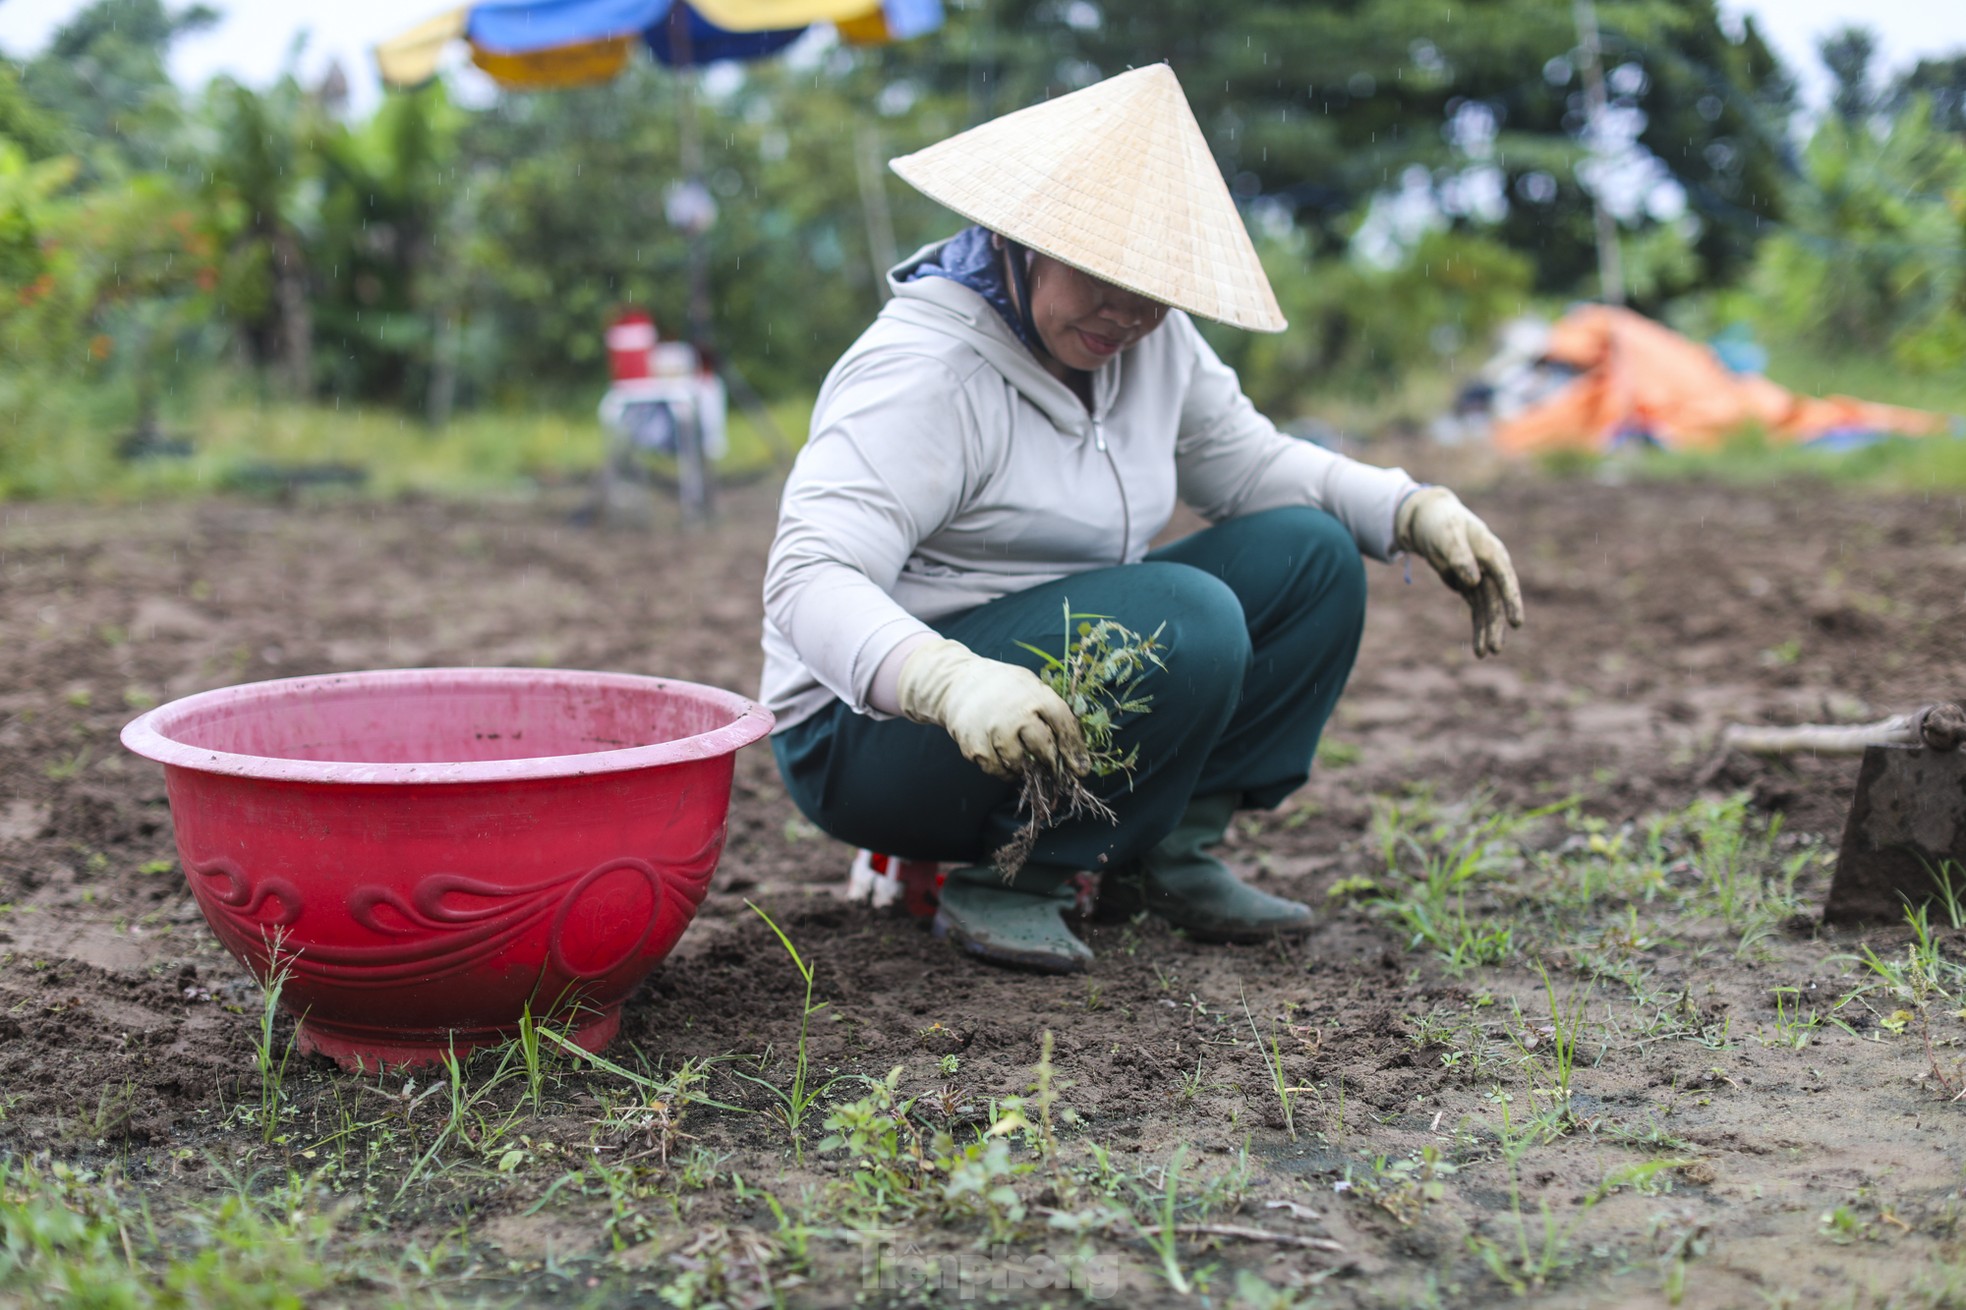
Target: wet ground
(1820,1172)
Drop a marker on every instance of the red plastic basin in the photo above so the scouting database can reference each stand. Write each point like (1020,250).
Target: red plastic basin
(437,849)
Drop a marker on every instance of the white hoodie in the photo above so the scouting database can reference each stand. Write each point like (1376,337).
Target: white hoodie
(946,468)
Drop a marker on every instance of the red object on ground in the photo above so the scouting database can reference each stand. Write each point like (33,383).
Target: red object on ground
(1638,375)
(631,346)
(432,850)
(921,884)
(890,882)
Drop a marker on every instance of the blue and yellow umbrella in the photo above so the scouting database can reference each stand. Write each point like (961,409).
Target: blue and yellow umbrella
(537,44)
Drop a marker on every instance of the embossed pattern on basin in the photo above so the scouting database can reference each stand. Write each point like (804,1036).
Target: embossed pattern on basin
(437,849)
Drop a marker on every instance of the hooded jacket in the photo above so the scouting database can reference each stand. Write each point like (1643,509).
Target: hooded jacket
(946,469)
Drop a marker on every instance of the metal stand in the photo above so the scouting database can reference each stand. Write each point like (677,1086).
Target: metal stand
(641,421)
(692,470)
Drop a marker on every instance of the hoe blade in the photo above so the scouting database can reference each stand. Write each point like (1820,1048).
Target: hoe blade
(1905,836)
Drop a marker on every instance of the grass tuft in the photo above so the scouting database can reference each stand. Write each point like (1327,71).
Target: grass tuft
(795,1100)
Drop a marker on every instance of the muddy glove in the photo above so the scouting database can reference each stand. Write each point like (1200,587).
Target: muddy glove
(1435,525)
(1001,715)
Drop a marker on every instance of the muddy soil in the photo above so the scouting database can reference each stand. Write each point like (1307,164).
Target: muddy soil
(1657,614)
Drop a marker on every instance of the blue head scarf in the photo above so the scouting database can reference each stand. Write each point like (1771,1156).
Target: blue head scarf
(970,258)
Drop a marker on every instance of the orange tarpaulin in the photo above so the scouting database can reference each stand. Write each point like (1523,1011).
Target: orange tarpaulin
(1640,378)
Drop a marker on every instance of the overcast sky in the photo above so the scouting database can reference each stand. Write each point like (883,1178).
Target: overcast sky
(252,41)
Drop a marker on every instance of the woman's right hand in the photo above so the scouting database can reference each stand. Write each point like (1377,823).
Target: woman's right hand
(1469,558)
(1002,716)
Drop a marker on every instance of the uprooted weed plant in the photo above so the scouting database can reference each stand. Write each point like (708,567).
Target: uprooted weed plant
(1098,675)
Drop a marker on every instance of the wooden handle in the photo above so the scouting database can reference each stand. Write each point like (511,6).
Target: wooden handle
(1940,727)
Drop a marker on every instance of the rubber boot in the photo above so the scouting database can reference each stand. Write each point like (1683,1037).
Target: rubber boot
(1184,884)
(1019,924)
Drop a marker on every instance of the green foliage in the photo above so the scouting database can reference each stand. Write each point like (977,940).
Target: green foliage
(395,257)
(68,1238)
(1164,1235)
(1360,331)
(1480,888)
(1098,676)
(1557,1066)
(1540,1253)
(1943,81)
(1917,978)
(902,1170)
(23,122)
(29,218)
(1404,1188)
(1847,54)
(258,189)
(103,80)
(67,438)
(890,1159)
(1313,108)
(1874,257)
(567,220)
(103,290)
(1434,862)
(436,258)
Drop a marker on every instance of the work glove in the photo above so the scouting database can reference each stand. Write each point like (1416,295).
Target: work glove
(1435,525)
(1001,716)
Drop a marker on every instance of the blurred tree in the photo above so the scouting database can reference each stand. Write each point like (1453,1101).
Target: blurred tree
(570,220)
(103,77)
(1943,81)
(1848,54)
(112,282)
(1317,107)
(30,219)
(388,189)
(1716,111)
(1361,329)
(258,170)
(795,208)
(1412,170)
(574,220)
(23,122)
(1874,256)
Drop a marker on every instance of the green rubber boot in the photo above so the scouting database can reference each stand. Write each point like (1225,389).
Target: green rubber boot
(1019,923)
(1184,884)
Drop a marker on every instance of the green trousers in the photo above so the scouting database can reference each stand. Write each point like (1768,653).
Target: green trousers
(1263,616)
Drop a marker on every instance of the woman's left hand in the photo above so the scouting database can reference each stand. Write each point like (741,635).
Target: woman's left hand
(1434,524)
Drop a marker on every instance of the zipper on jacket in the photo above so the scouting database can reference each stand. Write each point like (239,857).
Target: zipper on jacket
(1126,512)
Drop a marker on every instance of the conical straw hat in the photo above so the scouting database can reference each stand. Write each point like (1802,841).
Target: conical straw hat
(1114,180)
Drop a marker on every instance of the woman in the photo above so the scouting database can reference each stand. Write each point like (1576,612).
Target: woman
(1005,441)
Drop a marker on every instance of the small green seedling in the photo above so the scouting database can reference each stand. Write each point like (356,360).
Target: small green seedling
(1272,1054)
(1566,1028)
(272,1072)
(1791,1028)
(1164,1236)
(795,1100)
(1949,881)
